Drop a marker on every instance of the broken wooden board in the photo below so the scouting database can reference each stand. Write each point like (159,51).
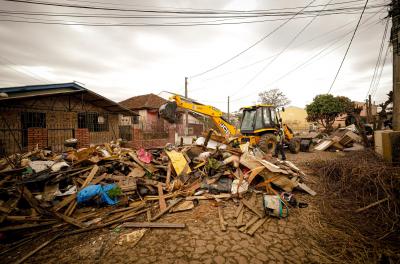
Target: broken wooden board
(70,220)
(153,225)
(324,145)
(209,197)
(183,206)
(64,202)
(307,189)
(249,223)
(252,208)
(161,200)
(256,226)
(147,167)
(179,163)
(161,213)
(222,222)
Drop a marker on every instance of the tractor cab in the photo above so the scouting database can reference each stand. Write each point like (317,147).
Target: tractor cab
(258,119)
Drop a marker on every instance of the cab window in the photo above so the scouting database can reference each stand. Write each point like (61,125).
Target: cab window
(248,120)
(267,117)
(259,119)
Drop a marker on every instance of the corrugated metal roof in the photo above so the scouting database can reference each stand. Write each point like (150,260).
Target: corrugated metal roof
(15,93)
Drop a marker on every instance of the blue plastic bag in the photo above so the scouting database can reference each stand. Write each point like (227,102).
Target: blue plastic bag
(91,191)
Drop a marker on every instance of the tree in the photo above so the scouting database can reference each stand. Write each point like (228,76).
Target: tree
(273,97)
(325,108)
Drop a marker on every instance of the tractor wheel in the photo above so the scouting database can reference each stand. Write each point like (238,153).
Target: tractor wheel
(294,145)
(267,143)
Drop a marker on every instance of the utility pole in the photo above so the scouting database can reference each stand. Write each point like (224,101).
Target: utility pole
(394,14)
(186,111)
(229,114)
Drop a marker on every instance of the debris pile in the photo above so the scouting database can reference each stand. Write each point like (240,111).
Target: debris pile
(341,140)
(359,206)
(107,185)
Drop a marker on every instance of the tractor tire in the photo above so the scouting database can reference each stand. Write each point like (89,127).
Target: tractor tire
(267,143)
(294,145)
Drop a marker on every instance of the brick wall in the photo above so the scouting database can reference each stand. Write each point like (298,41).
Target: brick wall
(82,134)
(139,142)
(37,136)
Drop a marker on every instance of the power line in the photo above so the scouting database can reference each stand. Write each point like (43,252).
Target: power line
(379,59)
(175,24)
(251,46)
(348,47)
(312,57)
(171,11)
(281,52)
(25,72)
(380,73)
(269,57)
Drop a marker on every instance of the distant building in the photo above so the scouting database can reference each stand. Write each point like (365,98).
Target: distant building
(47,115)
(296,118)
(341,120)
(149,121)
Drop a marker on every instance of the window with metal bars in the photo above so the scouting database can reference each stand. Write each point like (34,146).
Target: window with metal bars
(93,121)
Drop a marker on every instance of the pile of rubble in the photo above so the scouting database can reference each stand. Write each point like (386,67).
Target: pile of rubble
(341,140)
(108,185)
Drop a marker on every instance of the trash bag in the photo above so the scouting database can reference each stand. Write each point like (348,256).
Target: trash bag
(92,191)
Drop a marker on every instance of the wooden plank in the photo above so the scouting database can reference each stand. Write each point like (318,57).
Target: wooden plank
(209,197)
(38,249)
(64,202)
(71,208)
(99,179)
(32,200)
(90,177)
(238,209)
(162,202)
(372,205)
(26,226)
(148,215)
(169,170)
(256,226)
(249,223)
(166,209)
(70,220)
(153,225)
(239,219)
(260,214)
(222,222)
(306,189)
(23,218)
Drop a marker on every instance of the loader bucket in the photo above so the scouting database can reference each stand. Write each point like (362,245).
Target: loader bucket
(168,112)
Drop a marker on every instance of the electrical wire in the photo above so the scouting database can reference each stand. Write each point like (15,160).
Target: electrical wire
(348,47)
(171,11)
(281,52)
(380,74)
(250,47)
(8,63)
(340,38)
(378,60)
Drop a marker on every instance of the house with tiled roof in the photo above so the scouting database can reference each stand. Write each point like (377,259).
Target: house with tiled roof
(147,106)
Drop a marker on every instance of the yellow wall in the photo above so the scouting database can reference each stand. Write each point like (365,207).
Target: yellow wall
(295,118)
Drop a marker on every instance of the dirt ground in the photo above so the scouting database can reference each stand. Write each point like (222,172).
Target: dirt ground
(202,241)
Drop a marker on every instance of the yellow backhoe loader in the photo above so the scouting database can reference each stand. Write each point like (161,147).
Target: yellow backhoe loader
(258,123)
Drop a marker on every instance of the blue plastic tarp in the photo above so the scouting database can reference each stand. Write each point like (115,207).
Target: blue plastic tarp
(91,191)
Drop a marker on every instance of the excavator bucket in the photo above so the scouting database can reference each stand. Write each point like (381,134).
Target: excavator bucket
(168,112)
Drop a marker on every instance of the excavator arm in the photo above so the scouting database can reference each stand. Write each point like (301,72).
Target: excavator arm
(167,111)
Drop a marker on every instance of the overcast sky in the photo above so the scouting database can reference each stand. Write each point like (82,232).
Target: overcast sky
(120,62)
